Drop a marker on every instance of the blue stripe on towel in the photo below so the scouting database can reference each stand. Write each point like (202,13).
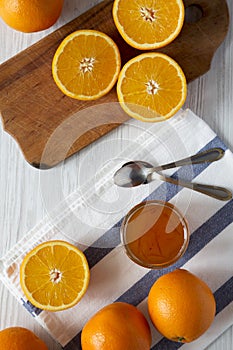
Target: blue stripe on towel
(224,295)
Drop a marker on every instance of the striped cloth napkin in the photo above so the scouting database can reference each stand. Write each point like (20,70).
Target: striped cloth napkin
(114,277)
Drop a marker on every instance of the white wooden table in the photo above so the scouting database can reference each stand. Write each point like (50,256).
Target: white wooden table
(21,204)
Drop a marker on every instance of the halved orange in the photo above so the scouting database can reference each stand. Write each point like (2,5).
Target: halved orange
(148,24)
(54,275)
(86,65)
(151,87)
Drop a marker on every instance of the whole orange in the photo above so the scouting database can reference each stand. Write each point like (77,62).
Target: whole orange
(181,306)
(30,15)
(117,326)
(18,338)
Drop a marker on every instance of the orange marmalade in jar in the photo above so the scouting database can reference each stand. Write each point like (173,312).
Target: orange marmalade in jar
(155,234)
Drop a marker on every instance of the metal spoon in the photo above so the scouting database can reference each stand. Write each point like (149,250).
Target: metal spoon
(136,173)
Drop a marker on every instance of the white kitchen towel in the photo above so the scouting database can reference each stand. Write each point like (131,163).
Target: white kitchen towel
(86,220)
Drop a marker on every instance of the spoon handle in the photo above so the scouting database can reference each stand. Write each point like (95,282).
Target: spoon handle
(217,192)
(209,156)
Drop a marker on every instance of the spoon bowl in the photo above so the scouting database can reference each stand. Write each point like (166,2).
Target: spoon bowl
(132,174)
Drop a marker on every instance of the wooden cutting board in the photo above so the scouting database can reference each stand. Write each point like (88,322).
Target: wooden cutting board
(49,126)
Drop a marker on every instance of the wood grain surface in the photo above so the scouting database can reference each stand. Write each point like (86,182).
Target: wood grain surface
(33,108)
(22,205)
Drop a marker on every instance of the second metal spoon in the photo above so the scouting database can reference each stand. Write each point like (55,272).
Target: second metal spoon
(217,192)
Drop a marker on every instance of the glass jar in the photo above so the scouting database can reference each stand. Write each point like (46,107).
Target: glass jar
(155,234)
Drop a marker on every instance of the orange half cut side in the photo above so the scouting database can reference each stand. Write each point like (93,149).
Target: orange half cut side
(151,87)
(86,65)
(148,24)
(54,275)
